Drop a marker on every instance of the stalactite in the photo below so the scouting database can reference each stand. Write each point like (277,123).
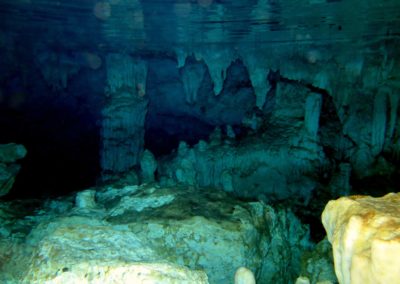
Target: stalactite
(258,72)
(322,80)
(181,56)
(192,76)
(218,60)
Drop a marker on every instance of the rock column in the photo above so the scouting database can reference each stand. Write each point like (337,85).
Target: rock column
(123,115)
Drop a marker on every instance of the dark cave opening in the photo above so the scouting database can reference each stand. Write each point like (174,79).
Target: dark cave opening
(171,118)
(162,137)
(62,151)
(59,130)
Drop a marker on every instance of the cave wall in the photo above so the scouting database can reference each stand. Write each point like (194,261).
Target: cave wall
(96,108)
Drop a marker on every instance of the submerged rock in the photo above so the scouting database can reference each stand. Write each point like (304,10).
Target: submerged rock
(164,235)
(364,232)
(9,154)
(317,265)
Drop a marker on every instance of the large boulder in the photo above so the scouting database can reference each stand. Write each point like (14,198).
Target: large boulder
(206,229)
(83,250)
(130,229)
(365,235)
(9,154)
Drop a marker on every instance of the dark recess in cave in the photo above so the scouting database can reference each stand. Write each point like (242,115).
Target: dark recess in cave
(171,118)
(59,130)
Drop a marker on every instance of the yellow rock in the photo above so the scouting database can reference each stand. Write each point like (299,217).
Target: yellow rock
(365,235)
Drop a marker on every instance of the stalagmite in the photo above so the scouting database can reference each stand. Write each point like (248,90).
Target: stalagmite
(148,166)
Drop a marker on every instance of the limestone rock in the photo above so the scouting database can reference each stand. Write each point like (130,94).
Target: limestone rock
(134,229)
(123,116)
(317,265)
(288,241)
(86,199)
(9,154)
(305,280)
(80,249)
(279,163)
(248,170)
(364,232)
(196,229)
(108,273)
(141,203)
(7,177)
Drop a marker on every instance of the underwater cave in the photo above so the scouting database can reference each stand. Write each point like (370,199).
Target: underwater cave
(199,141)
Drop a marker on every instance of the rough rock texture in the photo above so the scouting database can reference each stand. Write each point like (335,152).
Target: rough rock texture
(355,132)
(120,272)
(83,249)
(137,228)
(305,280)
(268,169)
(364,232)
(9,154)
(317,265)
(124,114)
(288,144)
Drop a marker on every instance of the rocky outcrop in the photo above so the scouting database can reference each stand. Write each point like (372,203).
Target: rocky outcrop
(364,232)
(82,249)
(9,154)
(250,170)
(276,164)
(317,265)
(129,231)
